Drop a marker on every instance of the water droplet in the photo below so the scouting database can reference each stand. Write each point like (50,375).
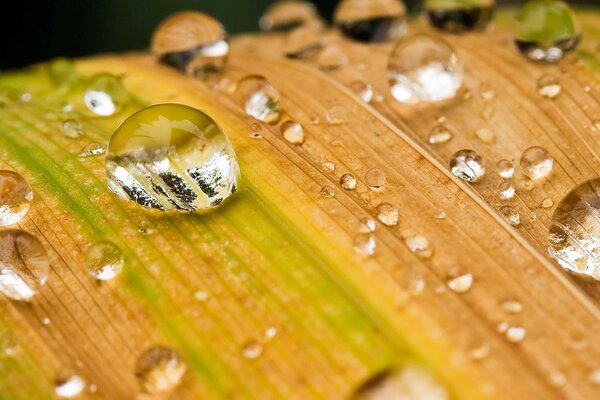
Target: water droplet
(62,72)
(480,352)
(201,295)
(252,350)
(331,57)
(515,334)
(69,386)
(24,264)
(457,16)
(506,190)
(467,165)
(364,244)
(420,246)
(547,30)
(439,134)
(371,21)
(145,228)
(423,69)
(292,132)
(259,98)
(486,135)
(387,214)
(303,43)
(348,182)
(375,178)
(548,86)
(367,225)
(596,124)
(327,191)
(172,157)
(71,129)
(363,89)
(92,150)
(270,332)
(46,321)
(536,162)
(105,95)
(488,113)
(486,92)
(256,130)
(159,369)
(328,166)
(336,115)
(594,376)
(557,379)
(547,203)
(15,197)
(510,215)
(285,15)
(505,169)
(461,283)
(511,306)
(440,215)
(192,42)
(104,260)
(315,118)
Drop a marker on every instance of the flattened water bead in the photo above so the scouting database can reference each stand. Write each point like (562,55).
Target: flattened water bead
(424,69)
(24,264)
(259,98)
(574,235)
(439,134)
(467,165)
(104,260)
(547,30)
(458,16)
(192,42)
(160,369)
(375,178)
(505,168)
(105,95)
(15,197)
(536,162)
(172,157)
(285,15)
(371,20)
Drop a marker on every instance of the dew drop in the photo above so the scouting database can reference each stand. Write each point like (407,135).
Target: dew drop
(270,332)
(505,169)
(328,166)
(336,115)
(486,135)
(547,203)
(286,15)
(105,95)
(557,379)
(548,86)
(362,89)
(420,246)
(172,157)
(92,150)
(145,228)
(387,214)
(515,334)
(293,132)
(488,113)
(256,130)
(104,260)
(315,119)
(331,57)
(327,191)
(367,225)
(252,350)
(71,128)
(259,98)
(596,124)
(536,162)
(461,283)
(61,72)
(371,21)
(594,376)
(348,182)
(439,134)
(364,244)
(480,352)
(467,165)
(424,69)
(159,369)
(511,306)
(201,295)
(69,386)
(24,264)
(510,215)
(15,197)
(303,43)
(506,190)
(375,178)
(440,215)
(457,16)
(486,92)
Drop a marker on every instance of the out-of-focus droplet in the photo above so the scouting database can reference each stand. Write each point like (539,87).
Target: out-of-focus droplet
(439,134)
(331,57)
(92,150)
(486,135)
(315,118)
(594,376)
(557,379)
(62,72)
(69,386)
(336,115)
(256,130)
(15,197)
(252,350)
(440,215)
(511,306)
(457,16)
(200,295)
(419,245)
(596,124)
(486,92)
(461,283)
(24,264)
(547,203)
(259,98)
(172,157)
(327,191)
(515,334)
(363,89)
(547,30)
(505,169)
(285,15)
(387,214)
(424,69)
(367,225)
(371,20)
(506,190)
(270,332)
(145,228)
(375,178)
(467,165)
(303,43)
(510,215)
(365,244)
(105,95)
(160,369)
(348,182)
(104,260)
(328,166)
(549,86)
(536,162)
(71,128)
(293,132)
(192,42)
(480,352)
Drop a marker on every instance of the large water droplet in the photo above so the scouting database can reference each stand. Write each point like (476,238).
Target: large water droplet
(15,197)
(458,16)
(536,162)
(192,42)
(105,95)
(259,98)
(371,20)
(159,369)
(172,157)
(104,260)
(467,165)
(387,214)
(286,15)
(422,69)
(24,264)
(69,386)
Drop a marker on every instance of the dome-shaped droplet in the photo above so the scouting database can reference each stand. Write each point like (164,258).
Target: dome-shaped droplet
(387,214)
(331,57)
(160,369)
(69,386)
(303,43)
(505,168)
(375,178)
(71,128)
(348,182)
(172,157)
(363,89)
(439,134)
(104,260)
(574,236)
(367,225)
(252,349)
(285,15)
(371,20)
(549,86)
(536,162)
(485,135)
(423,69)
(293,132)
(419,245)
(547,30)
(467,165)
(192,42)
(259,98)
(61,72)
(336,115)
(510,215)
(15,197)
(365,244)
(506,190)
(24,264)
(458,16)
(105,95)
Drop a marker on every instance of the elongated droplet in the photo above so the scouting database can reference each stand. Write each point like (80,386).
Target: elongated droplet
(424,69)
(467,165)
(104,260)
(24,264)
(365,244)
(375,178)
(461,283)
(15,197)
(160,369)
(515,334)
(536,162)
(371,20)
(293,132)
(172,157)
(459,16)
(505,169)
(549,86)
(387,214)
(511,306)
(286,15)
(92,150)
(105,95)
(259,98)
(71,128)
(69,386)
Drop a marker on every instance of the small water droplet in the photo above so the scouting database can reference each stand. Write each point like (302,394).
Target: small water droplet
(548,86)
(315,118)
(547,203)
(365,244)
(457,16)
(488,113)
(46,321)
(424,69)
(480,352)
(159,369)
(336,115)
(440,215)
(292,132)
(69,386)
(71,129)
(92,150)
(439,134)
(486,135)
(348,182)
(104,260)
(105,95)
(367,225)
(15,197)
(515,334)
(461,283)
(420,246)
(327,191)
(256,130)
(486,92)
(371,21)
(557,379)
(252,350)
(145,228)
(362,89)
(331,57)
(375,178)
(387,214)
(467,165)
(328,166)
(200,295)
(270,332)
(536,162)
(596,124)
(511,306)
(510,215)
(506,190)
(259,98)
(61,72)
(287,15)
(505,169)
(594,376)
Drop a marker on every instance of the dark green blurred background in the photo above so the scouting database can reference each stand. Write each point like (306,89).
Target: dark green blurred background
(37,30)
